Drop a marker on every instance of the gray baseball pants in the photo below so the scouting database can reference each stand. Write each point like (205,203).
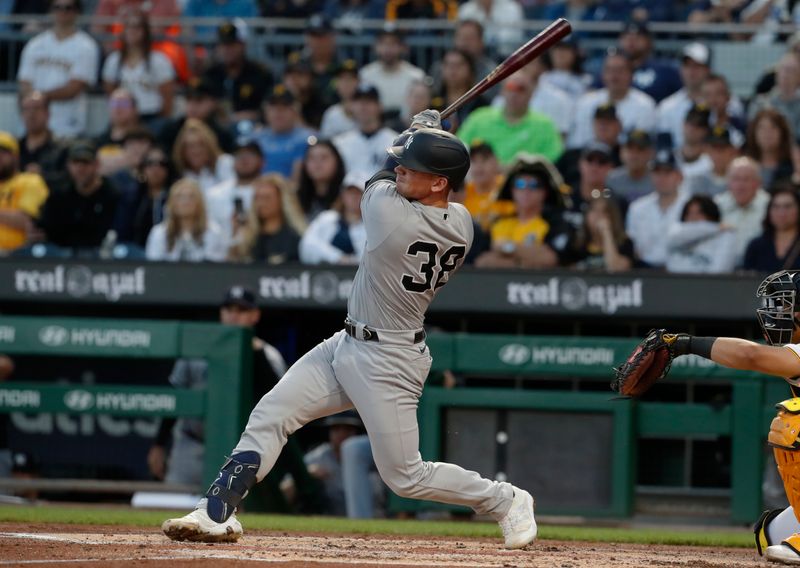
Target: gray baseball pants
(383,381)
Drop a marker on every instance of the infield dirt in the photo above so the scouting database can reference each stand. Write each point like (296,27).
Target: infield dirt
(43,545)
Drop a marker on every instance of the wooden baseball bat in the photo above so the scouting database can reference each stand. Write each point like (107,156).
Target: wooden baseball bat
(546,39)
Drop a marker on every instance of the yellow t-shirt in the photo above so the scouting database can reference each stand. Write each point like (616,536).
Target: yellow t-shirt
(485,208)
(23,192)
(520,233)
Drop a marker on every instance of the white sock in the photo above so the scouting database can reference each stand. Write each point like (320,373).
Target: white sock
(783,526)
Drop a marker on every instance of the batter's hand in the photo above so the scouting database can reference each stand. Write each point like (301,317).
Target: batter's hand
(157,461)
(428,118)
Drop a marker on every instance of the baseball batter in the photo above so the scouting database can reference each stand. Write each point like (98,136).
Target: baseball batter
(378,364)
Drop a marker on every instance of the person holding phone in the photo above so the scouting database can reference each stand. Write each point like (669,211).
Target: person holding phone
(229,201)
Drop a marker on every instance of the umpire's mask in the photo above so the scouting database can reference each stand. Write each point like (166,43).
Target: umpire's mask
(776,316)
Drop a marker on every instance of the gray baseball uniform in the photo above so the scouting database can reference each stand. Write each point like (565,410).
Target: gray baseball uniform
(379,365)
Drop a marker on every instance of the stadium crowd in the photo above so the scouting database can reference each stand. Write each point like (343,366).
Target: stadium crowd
(652,162)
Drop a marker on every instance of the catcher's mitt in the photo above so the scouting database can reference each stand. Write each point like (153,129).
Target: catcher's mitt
(649,362)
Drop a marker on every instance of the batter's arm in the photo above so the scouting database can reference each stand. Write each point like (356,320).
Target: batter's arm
(749,356)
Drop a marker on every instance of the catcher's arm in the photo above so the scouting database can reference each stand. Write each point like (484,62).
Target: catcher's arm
(749,356)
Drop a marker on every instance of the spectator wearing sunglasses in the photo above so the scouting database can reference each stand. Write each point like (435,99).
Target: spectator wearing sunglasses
(537,235)
(158,175)
(61,62)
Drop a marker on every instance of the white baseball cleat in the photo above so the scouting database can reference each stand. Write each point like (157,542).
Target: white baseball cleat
(784,552)
(198,527)
(518,525)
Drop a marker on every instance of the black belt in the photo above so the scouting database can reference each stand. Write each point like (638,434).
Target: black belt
(372,335)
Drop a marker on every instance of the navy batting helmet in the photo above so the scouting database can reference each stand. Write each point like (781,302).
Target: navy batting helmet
(778,293)
(435,152)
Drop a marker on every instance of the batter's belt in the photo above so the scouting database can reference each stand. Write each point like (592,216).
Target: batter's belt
(365,333)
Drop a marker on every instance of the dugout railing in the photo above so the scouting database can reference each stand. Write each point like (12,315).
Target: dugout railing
(224,405)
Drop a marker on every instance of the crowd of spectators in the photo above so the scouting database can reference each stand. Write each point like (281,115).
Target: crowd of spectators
(650,162)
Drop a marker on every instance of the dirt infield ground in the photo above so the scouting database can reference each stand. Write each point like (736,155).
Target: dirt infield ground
(117,547)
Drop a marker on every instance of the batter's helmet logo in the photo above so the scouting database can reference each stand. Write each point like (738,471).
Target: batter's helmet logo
(54,335)
(79,400)
(514,354)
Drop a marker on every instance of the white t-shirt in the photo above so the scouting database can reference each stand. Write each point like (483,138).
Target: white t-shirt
(364,153)
(213,246)
(316,247)
(142,80)
(636,110)
(672,111)
(49,63)
(335,121)
(647,225)
(219,203)
(746,220)
(392,84)
(207,179)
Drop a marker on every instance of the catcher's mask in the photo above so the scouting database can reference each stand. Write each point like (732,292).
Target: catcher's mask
(778,293)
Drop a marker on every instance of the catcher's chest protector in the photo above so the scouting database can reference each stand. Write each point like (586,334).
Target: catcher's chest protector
(784,434)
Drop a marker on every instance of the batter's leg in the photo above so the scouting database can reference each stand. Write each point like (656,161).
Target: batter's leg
(307,391)
(384,384)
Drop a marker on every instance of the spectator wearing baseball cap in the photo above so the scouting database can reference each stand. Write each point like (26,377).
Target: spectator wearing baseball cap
(345,467)
(536,236)
(298,77)
(650,217)
(391,74)
(319,52)
(594,165)
(284,139)
(338,118)
(694,70)
(632,179)
(721,152)
(202,103)
(717,97)
(83,213)
(363,148)
(691,156)
(658,78)
(634,108)
(244,83)
(21,197)
(338,236)
(606,128)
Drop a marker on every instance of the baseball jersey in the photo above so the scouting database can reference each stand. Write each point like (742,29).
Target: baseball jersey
(143,80)
(49,63)
(412,250)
